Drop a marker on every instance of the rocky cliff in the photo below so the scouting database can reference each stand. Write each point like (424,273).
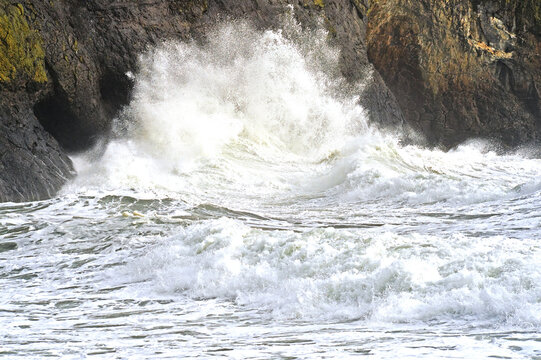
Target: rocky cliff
(461,68)
(457,68)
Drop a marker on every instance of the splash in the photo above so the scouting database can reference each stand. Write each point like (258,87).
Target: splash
(263,91)
(247,114)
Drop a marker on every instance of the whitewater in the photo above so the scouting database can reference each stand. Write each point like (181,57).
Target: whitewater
(245,207)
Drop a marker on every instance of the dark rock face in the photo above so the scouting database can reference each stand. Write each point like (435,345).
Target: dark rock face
(32,165)
(75,82)
(461,68)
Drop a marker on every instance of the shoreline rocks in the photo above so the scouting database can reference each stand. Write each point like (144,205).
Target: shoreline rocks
(461,68)
(449,69)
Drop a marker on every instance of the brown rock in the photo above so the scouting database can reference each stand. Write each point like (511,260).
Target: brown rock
(473,68)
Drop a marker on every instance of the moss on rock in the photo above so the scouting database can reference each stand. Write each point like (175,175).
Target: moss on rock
(319,3)
(21,50)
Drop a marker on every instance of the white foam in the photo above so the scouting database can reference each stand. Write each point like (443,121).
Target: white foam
(264,115)
(254,104)
(346,274)
(255,120)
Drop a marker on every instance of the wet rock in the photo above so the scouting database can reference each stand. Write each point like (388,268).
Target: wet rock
(32,164)
(461,68)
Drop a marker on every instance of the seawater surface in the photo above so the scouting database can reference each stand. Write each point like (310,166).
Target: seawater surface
(245,208)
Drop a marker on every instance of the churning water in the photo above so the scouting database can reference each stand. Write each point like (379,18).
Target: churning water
(246,209)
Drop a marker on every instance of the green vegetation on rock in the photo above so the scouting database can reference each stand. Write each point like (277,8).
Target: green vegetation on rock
(21,51)
(319,3)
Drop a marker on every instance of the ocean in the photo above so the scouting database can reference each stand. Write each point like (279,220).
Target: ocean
(245,207)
